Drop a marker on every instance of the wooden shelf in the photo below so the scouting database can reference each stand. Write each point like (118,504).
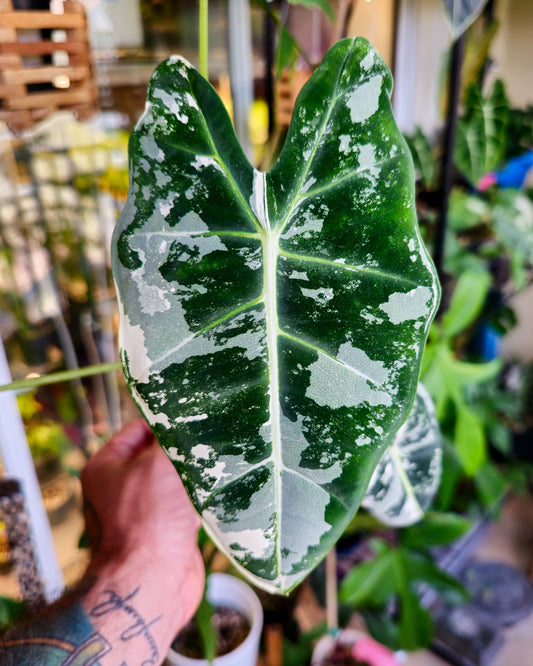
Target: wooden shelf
(66,86)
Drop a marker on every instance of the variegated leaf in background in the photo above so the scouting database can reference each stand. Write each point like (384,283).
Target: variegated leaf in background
(462,13)
(272,324)
(407,478)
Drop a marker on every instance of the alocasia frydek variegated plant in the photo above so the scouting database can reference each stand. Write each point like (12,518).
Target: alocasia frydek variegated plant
(272,324)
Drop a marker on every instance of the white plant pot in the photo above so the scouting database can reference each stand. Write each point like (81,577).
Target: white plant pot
(225,590)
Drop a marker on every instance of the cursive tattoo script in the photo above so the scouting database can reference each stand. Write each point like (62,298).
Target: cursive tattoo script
(138,627)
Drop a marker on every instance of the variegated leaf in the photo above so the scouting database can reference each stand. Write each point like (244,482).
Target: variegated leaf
(408,476)
(272,323)
(462,13)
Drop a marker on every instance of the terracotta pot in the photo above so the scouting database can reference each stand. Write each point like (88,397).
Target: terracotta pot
(225,590)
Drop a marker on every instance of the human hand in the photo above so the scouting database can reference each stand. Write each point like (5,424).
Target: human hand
(144,531)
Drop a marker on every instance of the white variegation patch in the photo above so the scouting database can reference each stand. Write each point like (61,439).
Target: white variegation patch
(363,102)
(402,307)
(336,384)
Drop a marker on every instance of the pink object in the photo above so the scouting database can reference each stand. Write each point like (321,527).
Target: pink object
(486,181)
(367,649)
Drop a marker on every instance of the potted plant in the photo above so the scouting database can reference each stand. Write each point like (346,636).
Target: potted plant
(238,619)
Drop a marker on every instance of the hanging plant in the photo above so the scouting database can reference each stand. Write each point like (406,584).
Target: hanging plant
(272,324)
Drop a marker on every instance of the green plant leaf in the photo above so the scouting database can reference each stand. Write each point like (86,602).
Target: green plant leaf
(420,568)
(512,217)
(423,158)
(470,442)
(324,5)
(407,477)
(462,13)
(490,484)
(437,529)
(272,323)
(287,50)
(467,211)
(206,628)
(415,627)
(468,299)
(11,611)
(481,132)
(370,583)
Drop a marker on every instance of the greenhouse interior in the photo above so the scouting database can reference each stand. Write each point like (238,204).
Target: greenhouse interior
(206,457)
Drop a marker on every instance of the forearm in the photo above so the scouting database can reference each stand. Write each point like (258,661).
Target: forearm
(122,613)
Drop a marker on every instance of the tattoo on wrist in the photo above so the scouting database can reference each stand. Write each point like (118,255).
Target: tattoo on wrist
(64,635)
(113,602)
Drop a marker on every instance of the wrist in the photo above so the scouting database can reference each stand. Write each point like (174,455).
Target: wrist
(136,606)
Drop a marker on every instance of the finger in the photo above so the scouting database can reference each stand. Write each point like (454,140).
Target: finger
(133,439)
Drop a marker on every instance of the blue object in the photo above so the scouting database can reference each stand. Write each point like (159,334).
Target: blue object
(514,173)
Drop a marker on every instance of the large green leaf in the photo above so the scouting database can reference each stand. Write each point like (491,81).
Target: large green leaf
(407,478)
(272,323)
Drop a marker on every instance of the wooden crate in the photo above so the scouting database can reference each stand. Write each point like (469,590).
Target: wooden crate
(68,86)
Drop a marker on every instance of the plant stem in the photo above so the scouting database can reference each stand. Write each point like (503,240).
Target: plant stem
(203,39)
(332,606)
(56,377)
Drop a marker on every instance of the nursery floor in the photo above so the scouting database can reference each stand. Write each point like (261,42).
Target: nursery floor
(510,540)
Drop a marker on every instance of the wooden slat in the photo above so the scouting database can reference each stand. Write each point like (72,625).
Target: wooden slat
(12,91)
(7,34)
(42,20)
(54,99)
(44,74)
(9,61)
(42,48)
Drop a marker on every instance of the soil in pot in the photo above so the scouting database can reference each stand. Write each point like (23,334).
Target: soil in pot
(342,656)
(231,626)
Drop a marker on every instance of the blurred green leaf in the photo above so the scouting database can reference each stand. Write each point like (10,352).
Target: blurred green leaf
(451,475)
(468,299)
(324,5)
(462,13)
(296,654)
(420,568)
(287,50)
(423,158)
(466,211)
(481,132)
(470,442)
(11,611)
(490,484)
(415,626)
(436,529)
(208,633)
(370,583)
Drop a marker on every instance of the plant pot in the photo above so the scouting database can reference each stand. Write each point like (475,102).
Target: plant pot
(371,652)
(225,590)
